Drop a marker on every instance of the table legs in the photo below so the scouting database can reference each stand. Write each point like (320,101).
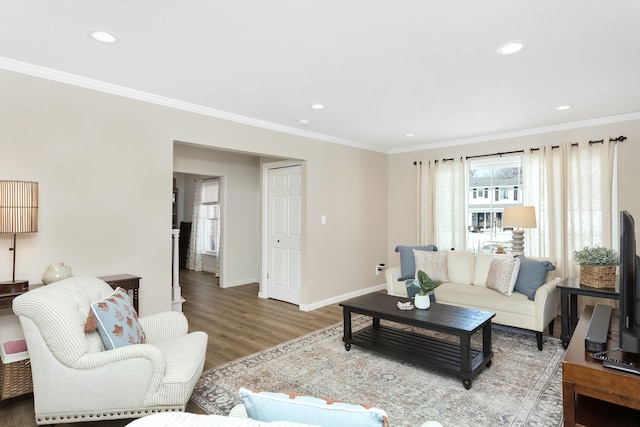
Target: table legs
(346,314)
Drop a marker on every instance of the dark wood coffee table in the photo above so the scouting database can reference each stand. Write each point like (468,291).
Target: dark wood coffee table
(458,358)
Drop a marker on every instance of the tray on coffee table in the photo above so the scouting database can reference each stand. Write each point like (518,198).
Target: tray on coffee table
(458,358)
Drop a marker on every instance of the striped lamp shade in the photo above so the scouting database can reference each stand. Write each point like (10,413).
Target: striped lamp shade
(18,207)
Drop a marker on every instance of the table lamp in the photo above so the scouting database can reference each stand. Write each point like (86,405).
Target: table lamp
(18,214)
(519,217)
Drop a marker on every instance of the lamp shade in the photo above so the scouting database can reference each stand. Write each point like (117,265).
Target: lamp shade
(519,217)
(18,207)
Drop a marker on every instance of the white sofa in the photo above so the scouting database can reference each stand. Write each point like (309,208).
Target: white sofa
(466,288)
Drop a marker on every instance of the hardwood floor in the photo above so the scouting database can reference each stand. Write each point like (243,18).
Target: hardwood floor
(238,324)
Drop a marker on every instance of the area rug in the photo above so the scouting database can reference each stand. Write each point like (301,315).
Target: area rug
(522,387)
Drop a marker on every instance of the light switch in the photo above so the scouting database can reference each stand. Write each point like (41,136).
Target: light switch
(323,219)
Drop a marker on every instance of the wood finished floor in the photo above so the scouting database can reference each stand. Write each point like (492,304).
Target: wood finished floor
(238,324)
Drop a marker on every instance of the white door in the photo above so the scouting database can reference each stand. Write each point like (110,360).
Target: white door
(284,232)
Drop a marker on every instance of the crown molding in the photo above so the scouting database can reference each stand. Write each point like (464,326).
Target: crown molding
(97,85)
(520,133)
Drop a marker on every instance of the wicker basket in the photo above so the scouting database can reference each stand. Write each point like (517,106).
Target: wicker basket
(15,379)
(598,276)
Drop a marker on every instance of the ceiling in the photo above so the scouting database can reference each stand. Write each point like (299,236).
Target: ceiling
(383,68)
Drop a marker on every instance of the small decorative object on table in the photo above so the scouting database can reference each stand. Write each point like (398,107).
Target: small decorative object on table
(56,271)
(426,286)
(405,306)
(597,266)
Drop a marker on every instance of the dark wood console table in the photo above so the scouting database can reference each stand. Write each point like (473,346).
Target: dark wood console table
(591,394)
(126,281)
(570,288)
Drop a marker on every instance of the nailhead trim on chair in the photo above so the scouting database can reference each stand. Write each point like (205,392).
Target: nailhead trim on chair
(107,415)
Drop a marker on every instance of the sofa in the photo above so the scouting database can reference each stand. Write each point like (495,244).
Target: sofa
(262,409)
(531,302)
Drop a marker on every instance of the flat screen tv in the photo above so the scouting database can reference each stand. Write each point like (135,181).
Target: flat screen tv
(629,340)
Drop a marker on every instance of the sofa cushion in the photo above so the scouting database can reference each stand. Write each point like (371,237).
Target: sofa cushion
(266,406)
(482,298)
(460,267)
(482,265)
(532,275)
(407,260)
(116,320)
(503,274)
(432,263)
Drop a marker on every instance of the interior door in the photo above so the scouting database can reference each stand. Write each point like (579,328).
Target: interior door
(284,232)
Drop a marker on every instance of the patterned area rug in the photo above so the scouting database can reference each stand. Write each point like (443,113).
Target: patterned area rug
(522,387)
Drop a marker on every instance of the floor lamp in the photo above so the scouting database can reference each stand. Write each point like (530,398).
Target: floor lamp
(519,217)
(18,214)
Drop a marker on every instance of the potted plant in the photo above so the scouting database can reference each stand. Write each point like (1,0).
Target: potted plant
(597,266)
(425,289)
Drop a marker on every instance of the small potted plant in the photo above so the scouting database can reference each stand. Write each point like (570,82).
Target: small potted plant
(425,289)
(597,266)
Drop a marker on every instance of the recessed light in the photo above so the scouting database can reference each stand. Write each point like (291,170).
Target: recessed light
(303,121)
(409,135)
(563,107)
(318,106)
(511,47)
(103,36)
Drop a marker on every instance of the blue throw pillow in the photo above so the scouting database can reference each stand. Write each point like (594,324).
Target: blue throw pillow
(532,275)
(408,262)
(266,406)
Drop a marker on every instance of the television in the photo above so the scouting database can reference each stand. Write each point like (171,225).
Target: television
(629,286)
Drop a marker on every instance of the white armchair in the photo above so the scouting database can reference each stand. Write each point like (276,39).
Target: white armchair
(75,379)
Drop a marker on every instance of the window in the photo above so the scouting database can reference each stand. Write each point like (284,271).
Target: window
(504,176)
(210,215)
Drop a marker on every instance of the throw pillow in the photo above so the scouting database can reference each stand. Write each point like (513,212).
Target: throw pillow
(116,321)
(532,275)
(407,262)
(432,263)
(503,274)
(266,406)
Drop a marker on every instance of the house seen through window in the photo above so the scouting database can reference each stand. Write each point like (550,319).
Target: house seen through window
(484,208)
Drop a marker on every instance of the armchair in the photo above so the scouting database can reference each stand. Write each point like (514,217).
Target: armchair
(75,379)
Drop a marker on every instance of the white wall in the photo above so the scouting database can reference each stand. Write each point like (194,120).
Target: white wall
(241,202)
(105,165)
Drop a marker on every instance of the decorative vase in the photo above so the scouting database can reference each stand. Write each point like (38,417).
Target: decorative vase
(56,271)
(422,301)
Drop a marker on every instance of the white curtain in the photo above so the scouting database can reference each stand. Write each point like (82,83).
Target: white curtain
(442,204)
(194,256)
(571,188)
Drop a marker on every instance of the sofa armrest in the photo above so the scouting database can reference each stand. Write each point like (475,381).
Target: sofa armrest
(395,287)
(546,300)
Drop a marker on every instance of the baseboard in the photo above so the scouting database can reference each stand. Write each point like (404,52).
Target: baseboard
(238,283)
(343,297)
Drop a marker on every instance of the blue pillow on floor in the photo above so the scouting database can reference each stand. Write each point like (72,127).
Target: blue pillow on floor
(408,262)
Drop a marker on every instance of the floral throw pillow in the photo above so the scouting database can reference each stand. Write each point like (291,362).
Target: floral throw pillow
(116,321)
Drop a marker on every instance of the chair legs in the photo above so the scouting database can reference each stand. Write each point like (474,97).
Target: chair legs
(539,340)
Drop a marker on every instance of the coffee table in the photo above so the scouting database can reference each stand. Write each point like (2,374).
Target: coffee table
(458,358)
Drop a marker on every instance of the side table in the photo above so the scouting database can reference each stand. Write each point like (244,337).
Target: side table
(125,281)
(570,288)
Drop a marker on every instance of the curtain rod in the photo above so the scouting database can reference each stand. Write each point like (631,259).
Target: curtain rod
(574,144)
